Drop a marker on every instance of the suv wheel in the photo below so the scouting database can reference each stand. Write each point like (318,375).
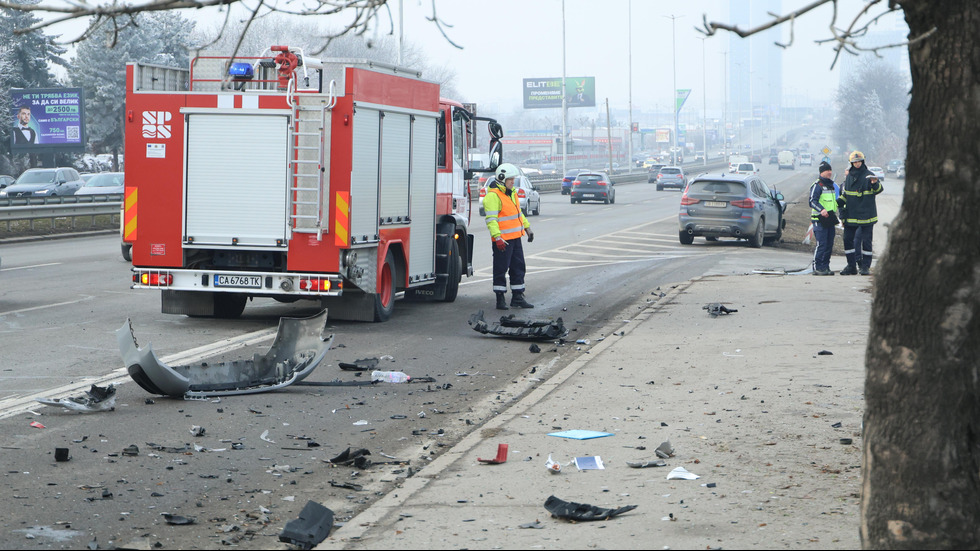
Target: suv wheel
(756,240)
(685,238)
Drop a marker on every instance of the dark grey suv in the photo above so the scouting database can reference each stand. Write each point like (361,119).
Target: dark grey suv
(731,205)
(44,182)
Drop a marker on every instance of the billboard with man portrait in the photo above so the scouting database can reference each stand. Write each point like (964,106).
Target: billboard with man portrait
(546,92)
(45,119)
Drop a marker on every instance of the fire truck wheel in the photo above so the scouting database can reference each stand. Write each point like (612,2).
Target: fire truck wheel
(384,299)
(229,305)
(455,271)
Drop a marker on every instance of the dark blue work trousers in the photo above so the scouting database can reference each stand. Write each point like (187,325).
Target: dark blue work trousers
(854,235)
(825,246)
(509,260)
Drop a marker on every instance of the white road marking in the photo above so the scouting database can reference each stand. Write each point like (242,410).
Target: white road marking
(31,266)
(83,299)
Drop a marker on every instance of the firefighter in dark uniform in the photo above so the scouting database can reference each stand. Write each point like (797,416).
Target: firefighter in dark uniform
(507,225)
(859,213)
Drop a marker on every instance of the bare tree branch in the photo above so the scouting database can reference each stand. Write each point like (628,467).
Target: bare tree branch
(846,39)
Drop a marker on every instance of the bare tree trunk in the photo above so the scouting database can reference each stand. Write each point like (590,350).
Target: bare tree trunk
(922,417)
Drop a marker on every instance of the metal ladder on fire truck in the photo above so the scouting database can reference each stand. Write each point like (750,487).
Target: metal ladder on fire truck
(306,160)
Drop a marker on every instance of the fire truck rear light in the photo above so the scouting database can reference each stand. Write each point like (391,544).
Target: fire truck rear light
(314,284)
(155,278)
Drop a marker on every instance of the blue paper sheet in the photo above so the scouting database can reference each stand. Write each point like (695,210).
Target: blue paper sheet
(579,434)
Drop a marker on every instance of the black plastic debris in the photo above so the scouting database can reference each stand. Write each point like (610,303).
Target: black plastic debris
(716,308)
(360,365)
(825,353)
(178,520)
(353,457)
(837,425)
(97,398)
(61,454)
(170,449)
(509,326)
(313,526)
(536,525)
(534,348)
(347,485)
(581,511)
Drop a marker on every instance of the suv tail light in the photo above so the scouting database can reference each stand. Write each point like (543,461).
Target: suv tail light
(521,194)
(746,203)
(685,200)
(483,192)
(576,183)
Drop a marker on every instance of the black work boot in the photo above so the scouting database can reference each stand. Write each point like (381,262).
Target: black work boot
(501,302)
(851,269)
(518,301)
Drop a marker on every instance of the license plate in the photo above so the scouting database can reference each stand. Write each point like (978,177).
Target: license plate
(588,195)
(249,281)
(720,204)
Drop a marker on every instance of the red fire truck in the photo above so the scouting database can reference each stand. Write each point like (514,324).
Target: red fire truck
(343,181)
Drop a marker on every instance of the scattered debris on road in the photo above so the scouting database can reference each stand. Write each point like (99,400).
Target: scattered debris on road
(501,456)
(509,326)
(716,308)
(313,526)
(97,398)
(582,511)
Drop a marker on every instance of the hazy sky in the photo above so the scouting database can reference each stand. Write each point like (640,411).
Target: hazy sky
(505,41)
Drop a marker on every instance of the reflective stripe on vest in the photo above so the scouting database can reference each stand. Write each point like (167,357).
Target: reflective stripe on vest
(828,200)
(509,219)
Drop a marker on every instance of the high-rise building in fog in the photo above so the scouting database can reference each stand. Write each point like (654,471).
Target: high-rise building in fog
(755,65)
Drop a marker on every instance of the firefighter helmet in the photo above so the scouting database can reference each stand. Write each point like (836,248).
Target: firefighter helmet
(856,156)
(505,172)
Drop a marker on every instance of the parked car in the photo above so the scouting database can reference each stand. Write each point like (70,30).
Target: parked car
(103,183)
(593,186)
(747,168)
(740,206)
(671,176)
(6,180)
(653,170)
(878,171)
(900,172)
(893,165)
(44,182)
(528,194)
(566,181)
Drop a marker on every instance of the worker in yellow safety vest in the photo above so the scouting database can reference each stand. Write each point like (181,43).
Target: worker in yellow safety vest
(507,224)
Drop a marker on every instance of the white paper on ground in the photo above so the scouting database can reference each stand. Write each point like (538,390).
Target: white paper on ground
(680,473)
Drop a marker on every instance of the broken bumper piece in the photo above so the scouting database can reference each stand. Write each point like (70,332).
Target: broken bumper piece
(298,348)
(97,398)
(582,511)
(519,328)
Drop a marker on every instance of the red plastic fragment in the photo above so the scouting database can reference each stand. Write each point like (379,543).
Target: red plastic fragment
(501,456)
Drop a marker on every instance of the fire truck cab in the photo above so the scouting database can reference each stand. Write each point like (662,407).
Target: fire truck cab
(283,176)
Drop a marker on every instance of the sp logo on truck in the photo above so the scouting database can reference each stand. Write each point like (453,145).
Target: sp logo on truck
(155,124)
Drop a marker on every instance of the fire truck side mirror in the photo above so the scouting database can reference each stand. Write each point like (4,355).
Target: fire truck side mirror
(496,131)
(496,154)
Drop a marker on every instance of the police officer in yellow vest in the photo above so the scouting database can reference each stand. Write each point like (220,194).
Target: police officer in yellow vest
(507,224)
(823,215)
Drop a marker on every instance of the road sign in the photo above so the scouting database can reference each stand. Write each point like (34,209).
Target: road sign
(826,159)
(825,150)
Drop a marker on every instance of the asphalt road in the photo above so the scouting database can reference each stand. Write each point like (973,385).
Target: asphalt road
(62,300)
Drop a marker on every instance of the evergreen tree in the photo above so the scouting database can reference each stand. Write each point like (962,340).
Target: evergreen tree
(100,69)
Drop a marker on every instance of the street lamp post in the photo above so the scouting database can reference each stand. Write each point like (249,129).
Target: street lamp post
(704,108)
(673,94)
(564,96)
(629,22)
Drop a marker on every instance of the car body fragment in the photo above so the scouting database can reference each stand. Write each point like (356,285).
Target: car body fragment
(298,348)
(511,327)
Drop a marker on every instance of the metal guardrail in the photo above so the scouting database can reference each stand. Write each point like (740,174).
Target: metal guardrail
(551,183)
(68,206)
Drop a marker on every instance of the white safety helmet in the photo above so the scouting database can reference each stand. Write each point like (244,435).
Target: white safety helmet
(505,172)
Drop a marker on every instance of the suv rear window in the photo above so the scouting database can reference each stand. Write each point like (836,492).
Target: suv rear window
(589,178)
(717,187)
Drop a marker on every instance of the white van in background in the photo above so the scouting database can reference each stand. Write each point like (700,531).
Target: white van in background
(806,159)
(786,160)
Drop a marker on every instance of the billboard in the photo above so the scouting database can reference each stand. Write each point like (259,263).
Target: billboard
(542,93)
(45,119)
